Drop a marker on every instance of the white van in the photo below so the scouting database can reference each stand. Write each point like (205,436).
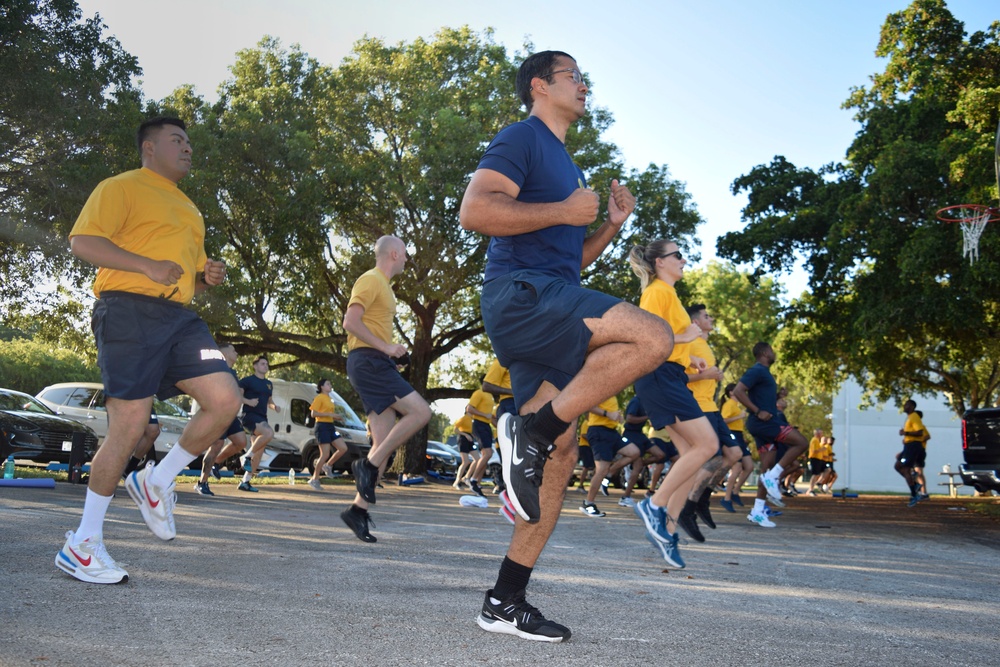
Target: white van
(296,425)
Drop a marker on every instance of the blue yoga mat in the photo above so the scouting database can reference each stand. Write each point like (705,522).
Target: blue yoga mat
(34,483)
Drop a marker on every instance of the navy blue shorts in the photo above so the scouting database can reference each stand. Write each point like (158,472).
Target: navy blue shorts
(483,434)
(326,432)
(146,345)
(666,397)
(376,379)
(914,455)
(234,428)
(605,442)
(535,322)
(464,442)
(818,466)
(637,438)
(722,431)
(250,421)
(586,457)
(738,436)
(506,406)
(668,448)
(773,430)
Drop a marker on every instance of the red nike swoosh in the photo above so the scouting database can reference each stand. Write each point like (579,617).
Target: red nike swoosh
(85,563)
(148,498)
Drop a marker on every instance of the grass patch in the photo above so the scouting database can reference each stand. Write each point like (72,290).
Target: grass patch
(990,508)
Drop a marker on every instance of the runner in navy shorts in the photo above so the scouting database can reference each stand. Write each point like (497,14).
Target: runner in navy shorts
(538,349)
(605,442)
(665,396)
(375,377)
(326,432)
(145,345)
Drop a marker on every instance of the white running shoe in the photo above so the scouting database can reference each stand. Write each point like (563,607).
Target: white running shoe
(89,561)
(772,487)
(315,483)
(761,520)
(328,471)
(626,501)
(156,505)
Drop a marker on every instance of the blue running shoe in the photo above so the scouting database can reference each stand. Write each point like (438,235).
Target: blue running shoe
(736,499)
(727,504)
(655,521)
(670,552)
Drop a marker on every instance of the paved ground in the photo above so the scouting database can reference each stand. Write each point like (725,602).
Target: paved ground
(273,578)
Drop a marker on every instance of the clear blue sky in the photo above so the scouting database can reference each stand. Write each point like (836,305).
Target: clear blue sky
(710,89)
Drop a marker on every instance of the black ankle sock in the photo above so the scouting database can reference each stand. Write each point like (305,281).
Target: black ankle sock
(705,495)
(513,577)
(544,425)
(133,465)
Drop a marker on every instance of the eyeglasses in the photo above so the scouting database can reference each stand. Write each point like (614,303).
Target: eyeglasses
(577,77)
(675,253)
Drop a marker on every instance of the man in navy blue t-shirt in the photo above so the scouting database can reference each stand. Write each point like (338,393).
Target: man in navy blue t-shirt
(758,391)
(257,390)
(567,348)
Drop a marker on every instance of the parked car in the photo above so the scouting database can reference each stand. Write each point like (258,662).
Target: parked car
(84,402)
(295,424)
(981,449)
(442,458)
(30,430)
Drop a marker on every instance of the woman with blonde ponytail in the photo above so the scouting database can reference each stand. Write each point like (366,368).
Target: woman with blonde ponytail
(666,397)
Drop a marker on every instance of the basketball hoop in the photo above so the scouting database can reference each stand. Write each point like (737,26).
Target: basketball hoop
(972,218)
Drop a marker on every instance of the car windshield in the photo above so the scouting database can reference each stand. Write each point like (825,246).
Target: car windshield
(13,400)
(169,409)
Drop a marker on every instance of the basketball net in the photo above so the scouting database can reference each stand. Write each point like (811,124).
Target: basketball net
(973,223)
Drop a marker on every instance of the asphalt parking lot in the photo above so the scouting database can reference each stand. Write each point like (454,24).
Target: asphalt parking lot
(274,578)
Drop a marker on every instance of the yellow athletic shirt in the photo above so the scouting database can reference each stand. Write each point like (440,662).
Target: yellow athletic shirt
(703,390)
(373,292)
(661,299)
(146,214)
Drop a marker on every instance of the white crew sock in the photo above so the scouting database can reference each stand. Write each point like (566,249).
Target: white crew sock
(775,472)
(177,459)
(92,522)
(758,506)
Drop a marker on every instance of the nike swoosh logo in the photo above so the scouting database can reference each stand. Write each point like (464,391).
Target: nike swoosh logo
(85,563)
(513,453)
(148,498)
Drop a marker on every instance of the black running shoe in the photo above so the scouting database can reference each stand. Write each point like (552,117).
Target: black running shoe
(365,479)
(523,462)
(357,520)
(703,512)
(475,488)
(687,521)
(516,617)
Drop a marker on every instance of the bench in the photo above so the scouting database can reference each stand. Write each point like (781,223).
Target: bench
(951,483)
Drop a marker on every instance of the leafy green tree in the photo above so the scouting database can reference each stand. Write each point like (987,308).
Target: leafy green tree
(893,301)
(29,365)
(68,109)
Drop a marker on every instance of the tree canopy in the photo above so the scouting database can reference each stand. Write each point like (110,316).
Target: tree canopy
(893,302)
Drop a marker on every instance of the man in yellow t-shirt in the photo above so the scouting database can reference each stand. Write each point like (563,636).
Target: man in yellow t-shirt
(465,442)
(480,408)
(373,362)
(734,414)
(611,451)
(703,384)
(497,382)
(147,240)
(913,454)
(817,460)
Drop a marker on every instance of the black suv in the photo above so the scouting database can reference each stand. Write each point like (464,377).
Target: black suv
(29,430)
(981,449)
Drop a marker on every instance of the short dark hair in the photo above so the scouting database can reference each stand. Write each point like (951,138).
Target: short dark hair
(154,124)
(695,308)
(536,65)
(261,357)
(759,348)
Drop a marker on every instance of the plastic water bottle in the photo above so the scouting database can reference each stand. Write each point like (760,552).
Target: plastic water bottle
(8,468)
(291,476)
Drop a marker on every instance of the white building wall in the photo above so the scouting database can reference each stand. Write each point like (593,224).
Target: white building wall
(868,440)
